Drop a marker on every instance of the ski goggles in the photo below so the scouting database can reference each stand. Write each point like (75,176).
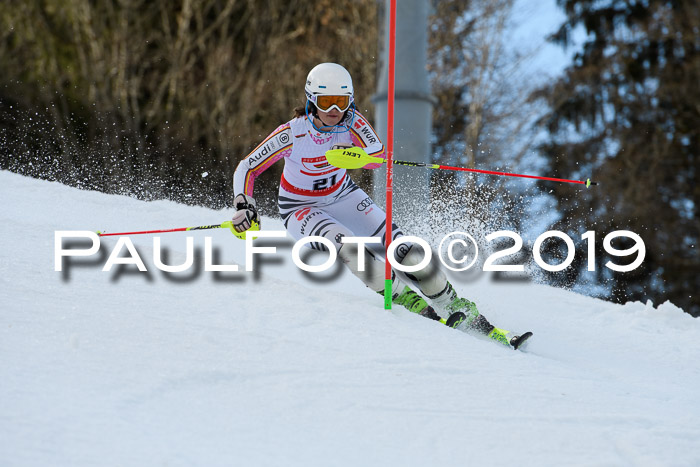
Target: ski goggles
(325,102)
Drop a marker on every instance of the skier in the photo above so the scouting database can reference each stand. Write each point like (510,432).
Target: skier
(318,199)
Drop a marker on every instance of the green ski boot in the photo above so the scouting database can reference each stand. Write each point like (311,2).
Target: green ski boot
(415,303)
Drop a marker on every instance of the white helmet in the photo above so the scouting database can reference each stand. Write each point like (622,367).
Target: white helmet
(329,79)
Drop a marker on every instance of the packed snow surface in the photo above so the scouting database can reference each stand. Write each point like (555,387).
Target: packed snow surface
(276,367)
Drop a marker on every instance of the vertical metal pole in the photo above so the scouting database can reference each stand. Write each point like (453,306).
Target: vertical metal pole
(390,153)
(413,106)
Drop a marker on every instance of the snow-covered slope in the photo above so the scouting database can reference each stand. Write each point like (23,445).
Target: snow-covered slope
(275,368)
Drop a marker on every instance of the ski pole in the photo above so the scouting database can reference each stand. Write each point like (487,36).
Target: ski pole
(349,159)
(224,225)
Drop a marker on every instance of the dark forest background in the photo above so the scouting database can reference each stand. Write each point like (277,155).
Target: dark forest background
(161,99)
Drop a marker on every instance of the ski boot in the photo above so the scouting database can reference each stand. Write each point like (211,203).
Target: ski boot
(463,315)
(415,303)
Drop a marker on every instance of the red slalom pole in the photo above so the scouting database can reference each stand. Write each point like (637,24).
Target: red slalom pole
(390,153)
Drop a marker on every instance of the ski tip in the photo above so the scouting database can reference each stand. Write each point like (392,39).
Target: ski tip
(518,341)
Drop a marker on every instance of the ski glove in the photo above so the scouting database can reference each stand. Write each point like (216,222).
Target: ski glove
(246,212)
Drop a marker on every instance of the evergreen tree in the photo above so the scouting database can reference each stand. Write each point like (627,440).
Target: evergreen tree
(627,111)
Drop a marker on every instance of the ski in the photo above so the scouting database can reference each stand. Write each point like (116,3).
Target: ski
(496,334)
(518,341)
